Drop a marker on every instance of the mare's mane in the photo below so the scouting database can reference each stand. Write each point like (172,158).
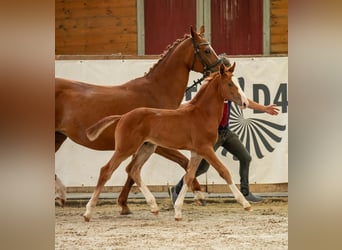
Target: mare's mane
(206,83)
(167,51)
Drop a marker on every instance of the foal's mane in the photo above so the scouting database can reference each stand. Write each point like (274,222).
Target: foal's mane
(167,51)
(205,85)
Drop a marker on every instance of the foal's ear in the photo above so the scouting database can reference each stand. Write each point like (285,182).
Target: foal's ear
(202,30)
(231,68)
(222,69)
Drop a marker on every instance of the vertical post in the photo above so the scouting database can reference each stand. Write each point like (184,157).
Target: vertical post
(141,27)
(266,27)
(203,16)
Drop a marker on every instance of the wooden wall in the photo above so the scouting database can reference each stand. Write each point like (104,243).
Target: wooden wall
(105,27)
(279,26)
(95,27)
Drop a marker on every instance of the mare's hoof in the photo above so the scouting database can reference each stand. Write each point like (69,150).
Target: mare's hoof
(249,209)
(155,212)
(125,212)
(201,202)
(60,202)
(178,219)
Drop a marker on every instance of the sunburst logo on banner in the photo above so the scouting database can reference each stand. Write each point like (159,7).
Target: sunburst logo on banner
(253,131)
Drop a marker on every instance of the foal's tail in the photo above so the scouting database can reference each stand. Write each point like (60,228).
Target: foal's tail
(95,130)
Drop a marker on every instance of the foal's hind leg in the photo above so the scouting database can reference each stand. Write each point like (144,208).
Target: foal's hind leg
(122,200)
(176,156)
(188,179)
(141,156)
(105,174)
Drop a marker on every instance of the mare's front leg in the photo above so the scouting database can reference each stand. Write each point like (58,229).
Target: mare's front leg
(105,174)
(188,180)
(123,197)
(141,156)
(210,156)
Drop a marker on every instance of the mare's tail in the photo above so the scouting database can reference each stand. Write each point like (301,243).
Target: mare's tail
(95,130)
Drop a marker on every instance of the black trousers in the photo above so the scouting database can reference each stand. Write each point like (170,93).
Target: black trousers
(231,142)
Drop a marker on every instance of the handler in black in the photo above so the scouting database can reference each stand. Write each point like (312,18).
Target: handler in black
(231,142)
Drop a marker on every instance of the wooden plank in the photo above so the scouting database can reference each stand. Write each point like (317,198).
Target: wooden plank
(96,12)
(279,21)
(72,4)
(275,30)
(128,23)
(279,13)
(282,38)
(256,188)
(280,4)
(98,38)
(113,31)
(102,49)
(279,48)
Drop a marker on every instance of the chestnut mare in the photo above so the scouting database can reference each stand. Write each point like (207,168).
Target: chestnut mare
(79,105)
(141,130)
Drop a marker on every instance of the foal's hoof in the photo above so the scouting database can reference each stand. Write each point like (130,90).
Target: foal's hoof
(178,219)
(249,209)
(86,219)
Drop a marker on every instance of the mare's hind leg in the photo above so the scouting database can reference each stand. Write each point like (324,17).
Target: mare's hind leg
(60,190)
(141,156)
(59,139)
(122,199)
(105,174)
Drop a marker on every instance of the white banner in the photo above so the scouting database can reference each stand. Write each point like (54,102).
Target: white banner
(264,79)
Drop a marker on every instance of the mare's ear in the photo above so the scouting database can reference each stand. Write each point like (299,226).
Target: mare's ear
(202,30)
(192,31)
(222,69)
(231,68)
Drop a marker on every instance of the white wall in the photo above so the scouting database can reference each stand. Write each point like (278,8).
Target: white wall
(79,166)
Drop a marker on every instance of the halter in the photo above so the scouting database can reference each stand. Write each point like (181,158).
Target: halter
(207,68)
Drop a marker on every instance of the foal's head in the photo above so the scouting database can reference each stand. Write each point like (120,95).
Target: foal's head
(230,88)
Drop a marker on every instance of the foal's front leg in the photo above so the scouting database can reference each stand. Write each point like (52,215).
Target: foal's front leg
(105,174)
(211,157)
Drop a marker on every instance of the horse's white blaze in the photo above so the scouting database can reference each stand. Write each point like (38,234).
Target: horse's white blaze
(242,94)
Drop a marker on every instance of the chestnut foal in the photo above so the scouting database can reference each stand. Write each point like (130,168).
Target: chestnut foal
(141,130)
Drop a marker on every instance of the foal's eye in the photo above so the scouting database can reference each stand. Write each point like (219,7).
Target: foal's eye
(207,51)
(230,84)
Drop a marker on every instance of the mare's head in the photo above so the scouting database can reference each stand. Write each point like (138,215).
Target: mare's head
(230,88)
(205,58)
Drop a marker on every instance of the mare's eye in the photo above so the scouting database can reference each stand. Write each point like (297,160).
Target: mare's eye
(207,51)
(230,84)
